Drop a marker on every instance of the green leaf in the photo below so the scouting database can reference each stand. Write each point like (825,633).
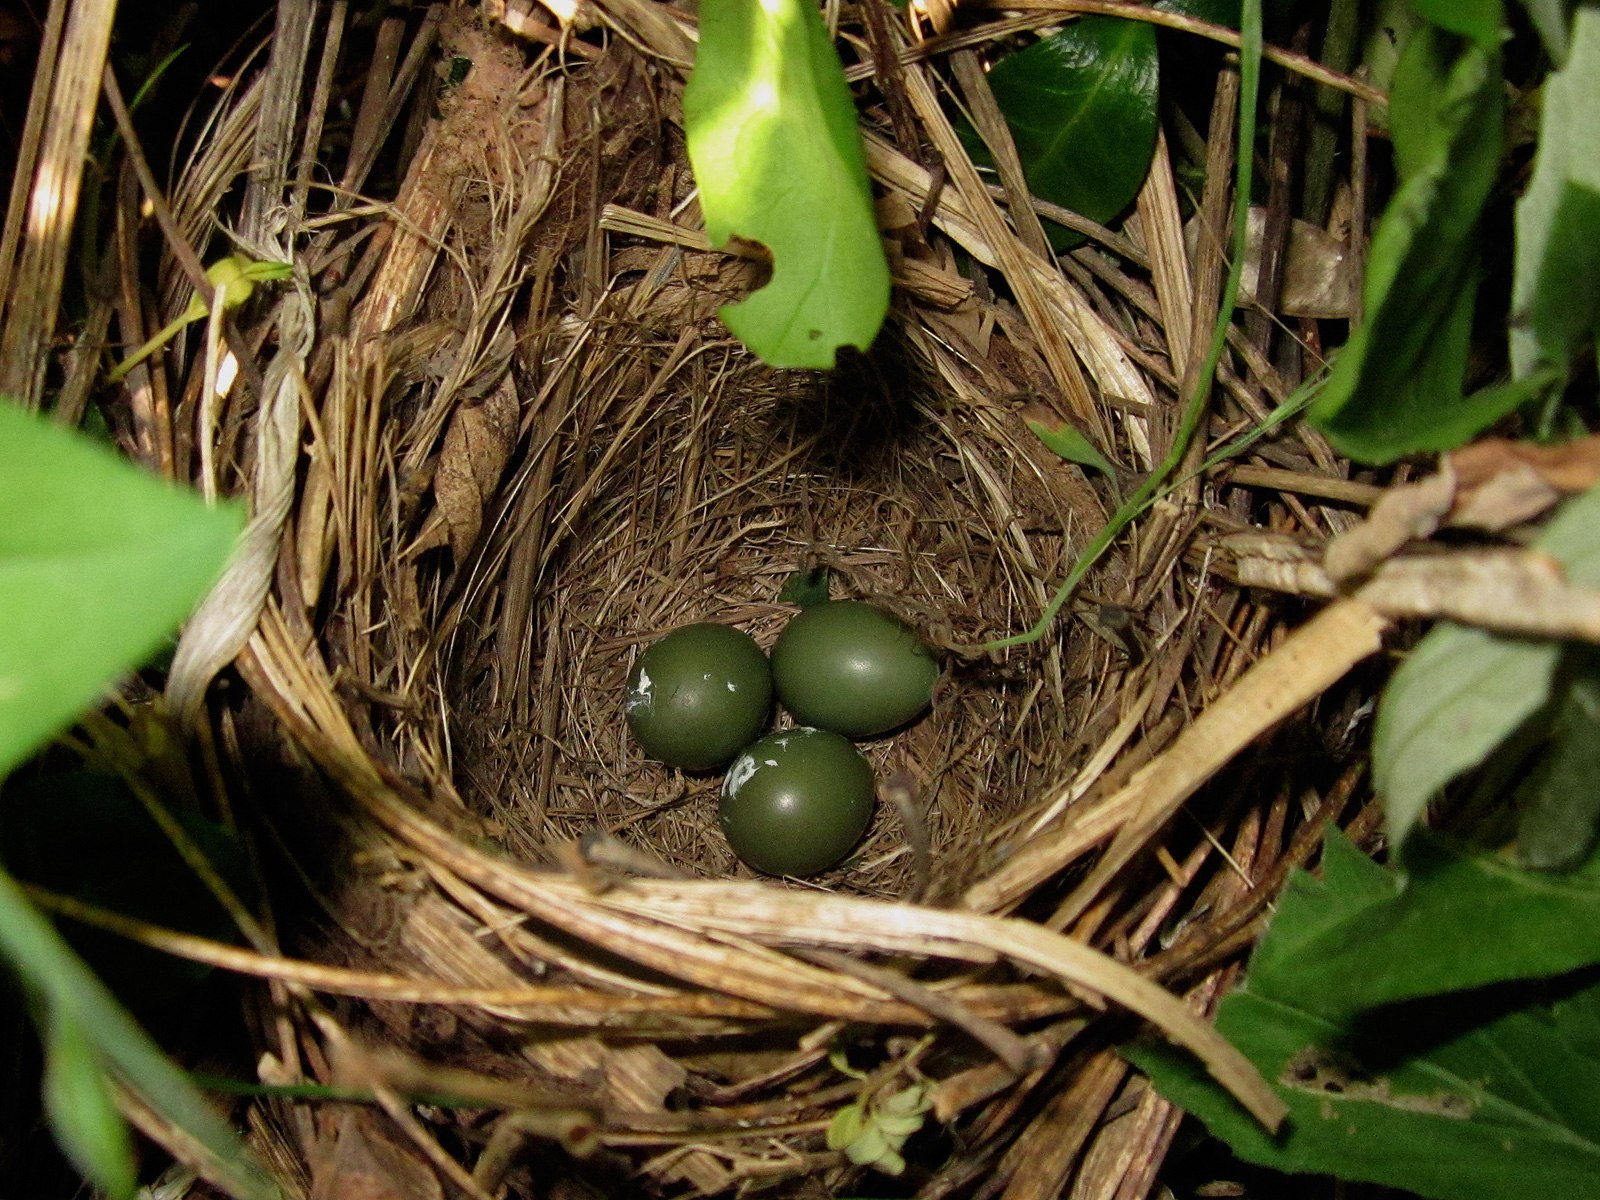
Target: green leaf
(1081,106)
(772,137)
(1462,692)
(70,991)
(1456,1098)
(1459,918)
(1504,1110)
(1556,291)
(83,1115)
(1551,18)
(848,1124)
(1395,387)
(98,563)
(1559,806)
(1458,695)
(806,589)
(1475,19)
(1067,442)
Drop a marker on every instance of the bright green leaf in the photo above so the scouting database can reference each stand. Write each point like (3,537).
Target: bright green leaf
(772,137)
(1462,692)
(868,1146)
(1081,105)
(1556,292)
(847,1125)
(1395,387)
(1475,19)
(98,563)
(1067,442)
(83,1115)
(1453,1099)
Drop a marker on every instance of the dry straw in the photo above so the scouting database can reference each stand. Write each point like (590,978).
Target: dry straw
(494,440)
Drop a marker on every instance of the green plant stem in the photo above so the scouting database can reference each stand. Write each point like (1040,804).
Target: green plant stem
(1194,411)
(48,966)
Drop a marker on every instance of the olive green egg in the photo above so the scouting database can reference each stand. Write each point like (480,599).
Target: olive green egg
(795,802)
(699,695)
(852,668)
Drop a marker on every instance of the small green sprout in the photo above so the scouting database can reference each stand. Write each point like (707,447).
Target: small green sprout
(234,278)
(873,1131)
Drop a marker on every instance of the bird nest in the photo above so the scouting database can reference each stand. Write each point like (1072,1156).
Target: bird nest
(501,442)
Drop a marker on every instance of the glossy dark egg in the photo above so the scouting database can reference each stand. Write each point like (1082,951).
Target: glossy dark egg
(796,802)
(852,668)
(699,695)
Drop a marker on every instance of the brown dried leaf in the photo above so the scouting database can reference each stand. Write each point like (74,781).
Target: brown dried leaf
(1501,483)
(1405,513)
(477,445)
(358,1160)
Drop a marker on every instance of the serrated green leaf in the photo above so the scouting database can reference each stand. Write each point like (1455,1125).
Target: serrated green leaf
(83,1116)
(1459,918)
(1395,387)
(772,138)
(1556,290)
(98,563)
(1508,1109)
(1465,1097)
(1462,692)
(1081,106)
(1475,19)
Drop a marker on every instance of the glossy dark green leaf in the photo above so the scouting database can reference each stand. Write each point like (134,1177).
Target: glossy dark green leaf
(1459,918)
(1556,293)
(1467,1097)
(1081,106)
(1396,386)
(1504,1110)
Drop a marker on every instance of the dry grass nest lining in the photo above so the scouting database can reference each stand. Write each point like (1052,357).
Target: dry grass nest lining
(696,501)
(536,450)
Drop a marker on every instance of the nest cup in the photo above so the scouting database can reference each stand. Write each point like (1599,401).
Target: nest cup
(536,450)
(700,498)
